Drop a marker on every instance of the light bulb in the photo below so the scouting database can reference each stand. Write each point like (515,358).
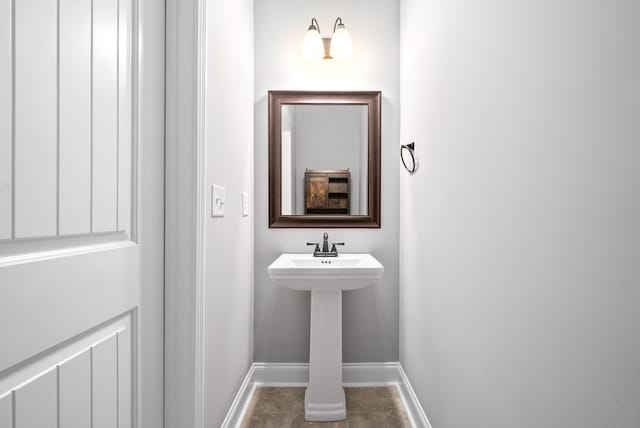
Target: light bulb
(313,48)
(341,43)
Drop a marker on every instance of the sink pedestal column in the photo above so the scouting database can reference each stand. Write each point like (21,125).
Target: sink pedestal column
(324,398)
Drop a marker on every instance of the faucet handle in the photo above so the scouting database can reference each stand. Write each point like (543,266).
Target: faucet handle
(317,244)
(333,247)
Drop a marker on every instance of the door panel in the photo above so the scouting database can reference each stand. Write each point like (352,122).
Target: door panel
(6,417)
(35,128)
(36,402)
(74,117)
(125,69)
(5,119)
(63,297)
(81,213)
(66,127)
(105,120)
(74,385)
(87,378)
(317,194)
(105,386)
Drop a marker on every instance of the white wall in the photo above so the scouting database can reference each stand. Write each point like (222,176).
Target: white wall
(229,240)
(370,315)
(520,244)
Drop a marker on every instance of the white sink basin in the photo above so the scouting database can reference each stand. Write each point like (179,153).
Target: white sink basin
(345,272)
(326,278)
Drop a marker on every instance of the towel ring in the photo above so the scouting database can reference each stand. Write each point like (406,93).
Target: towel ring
(408,157)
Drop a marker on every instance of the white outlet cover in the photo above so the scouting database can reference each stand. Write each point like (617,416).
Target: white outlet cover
(245,204)
(218,200)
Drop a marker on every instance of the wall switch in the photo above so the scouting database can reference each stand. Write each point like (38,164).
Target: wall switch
(218,196)
(245,204)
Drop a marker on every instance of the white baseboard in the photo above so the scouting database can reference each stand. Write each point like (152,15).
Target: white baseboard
(241,401)
(411,403)
(353,375)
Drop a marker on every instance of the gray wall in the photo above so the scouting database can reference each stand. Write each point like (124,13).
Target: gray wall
(520,236)
(370,315)
(229,239)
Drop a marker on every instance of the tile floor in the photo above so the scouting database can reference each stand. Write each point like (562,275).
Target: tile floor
(378,407)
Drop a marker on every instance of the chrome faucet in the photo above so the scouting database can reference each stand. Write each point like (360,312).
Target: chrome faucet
(325,247)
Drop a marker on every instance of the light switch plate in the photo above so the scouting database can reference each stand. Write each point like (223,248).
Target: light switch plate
(245,204)
(218,196)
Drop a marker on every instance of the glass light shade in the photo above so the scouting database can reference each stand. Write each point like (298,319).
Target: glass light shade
(313,48)
(341,43)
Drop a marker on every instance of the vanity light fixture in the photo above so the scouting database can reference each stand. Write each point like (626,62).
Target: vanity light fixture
(316,47)
(313,48)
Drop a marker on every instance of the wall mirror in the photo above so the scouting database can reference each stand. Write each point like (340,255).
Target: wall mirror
(324,159)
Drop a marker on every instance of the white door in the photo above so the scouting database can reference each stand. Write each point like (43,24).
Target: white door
(81,213)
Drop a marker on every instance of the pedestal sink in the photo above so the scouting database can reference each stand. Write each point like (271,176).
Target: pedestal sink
(326,278)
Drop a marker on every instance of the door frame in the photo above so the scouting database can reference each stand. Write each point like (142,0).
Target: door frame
(149,107)
(185,197)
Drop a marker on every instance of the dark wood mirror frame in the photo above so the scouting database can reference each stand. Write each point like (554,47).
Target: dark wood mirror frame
(373,100)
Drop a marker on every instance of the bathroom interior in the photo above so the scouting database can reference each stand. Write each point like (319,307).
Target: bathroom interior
(333,213)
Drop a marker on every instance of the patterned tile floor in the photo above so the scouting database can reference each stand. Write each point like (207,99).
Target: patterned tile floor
(378,407)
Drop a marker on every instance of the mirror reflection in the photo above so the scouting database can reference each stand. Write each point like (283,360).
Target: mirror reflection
(324,159)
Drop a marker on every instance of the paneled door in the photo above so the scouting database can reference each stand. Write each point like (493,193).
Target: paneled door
(81,213)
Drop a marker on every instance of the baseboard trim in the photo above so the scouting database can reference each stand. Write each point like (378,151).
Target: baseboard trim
(353,375)
(411,403)
(241,401)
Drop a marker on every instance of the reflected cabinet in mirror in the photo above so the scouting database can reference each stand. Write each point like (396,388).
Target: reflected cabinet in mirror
(324,159)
